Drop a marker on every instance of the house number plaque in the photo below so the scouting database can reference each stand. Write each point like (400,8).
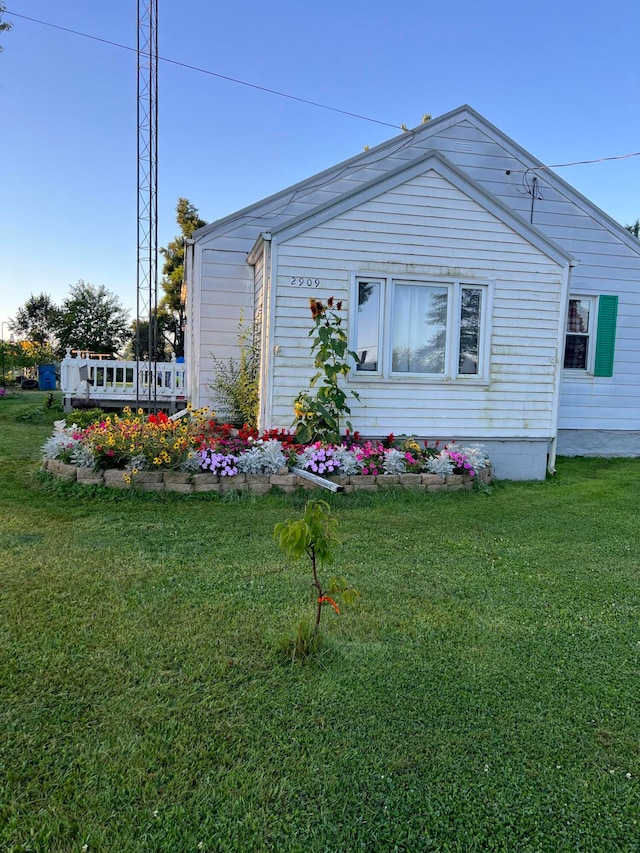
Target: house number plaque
(298,281)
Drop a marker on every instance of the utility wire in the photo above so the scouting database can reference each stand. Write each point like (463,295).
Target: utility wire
(210,73)
(292,97)
(576,163)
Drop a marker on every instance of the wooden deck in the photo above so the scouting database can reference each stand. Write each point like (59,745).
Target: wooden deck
(114,384)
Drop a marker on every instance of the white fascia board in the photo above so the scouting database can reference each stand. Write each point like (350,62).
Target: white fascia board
(256,252)
(429,160)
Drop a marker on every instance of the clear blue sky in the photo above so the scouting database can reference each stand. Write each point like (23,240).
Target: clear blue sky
(561,78)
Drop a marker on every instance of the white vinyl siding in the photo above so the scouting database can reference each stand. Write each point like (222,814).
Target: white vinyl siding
(525,305)
(399,235)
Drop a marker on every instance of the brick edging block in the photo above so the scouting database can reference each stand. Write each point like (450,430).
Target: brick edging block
(256,484)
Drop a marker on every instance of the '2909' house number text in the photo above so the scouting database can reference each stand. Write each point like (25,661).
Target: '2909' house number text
(298,281)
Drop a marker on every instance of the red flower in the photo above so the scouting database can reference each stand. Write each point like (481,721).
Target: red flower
(317,308)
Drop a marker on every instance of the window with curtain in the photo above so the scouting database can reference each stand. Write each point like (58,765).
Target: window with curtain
(410,327)
(419,336)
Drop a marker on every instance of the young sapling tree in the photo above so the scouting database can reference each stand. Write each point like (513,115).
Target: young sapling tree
(315,536)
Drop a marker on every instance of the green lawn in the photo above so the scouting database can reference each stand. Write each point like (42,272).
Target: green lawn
(481,695)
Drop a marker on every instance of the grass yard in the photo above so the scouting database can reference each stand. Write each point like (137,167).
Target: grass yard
(481,695)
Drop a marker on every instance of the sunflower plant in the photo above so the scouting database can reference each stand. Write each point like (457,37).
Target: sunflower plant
(318,416)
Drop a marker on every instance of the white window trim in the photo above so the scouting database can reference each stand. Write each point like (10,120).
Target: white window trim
(385,324)
(583,372)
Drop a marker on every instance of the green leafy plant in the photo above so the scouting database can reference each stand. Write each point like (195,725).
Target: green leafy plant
(49,408)
(236,383)
(318,417)
(315,536)
(85,417)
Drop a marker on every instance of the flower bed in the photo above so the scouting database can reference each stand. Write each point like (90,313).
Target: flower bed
(196,454)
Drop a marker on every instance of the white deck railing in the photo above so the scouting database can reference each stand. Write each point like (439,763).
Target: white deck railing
(111,379)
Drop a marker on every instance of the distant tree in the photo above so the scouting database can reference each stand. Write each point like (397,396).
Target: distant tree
(634,228)
(140,333)
(31,354)
(37,320)
(173,272)
(5,26)
(92,318)
(10,360)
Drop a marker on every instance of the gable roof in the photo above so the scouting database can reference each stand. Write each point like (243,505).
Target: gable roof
(273,212)
(429,161)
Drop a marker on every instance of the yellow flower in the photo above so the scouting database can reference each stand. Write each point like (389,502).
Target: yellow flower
(157,460)
(141,411)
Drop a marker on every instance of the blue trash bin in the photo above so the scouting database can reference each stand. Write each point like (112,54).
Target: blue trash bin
(47,377)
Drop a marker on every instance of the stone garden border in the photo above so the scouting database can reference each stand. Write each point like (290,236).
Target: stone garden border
(257,484)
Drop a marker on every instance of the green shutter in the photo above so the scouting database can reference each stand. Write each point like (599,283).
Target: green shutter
(606,339)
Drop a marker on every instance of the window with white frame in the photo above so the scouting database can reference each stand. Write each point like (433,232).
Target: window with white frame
(577,344)
(421,328)
(590,337)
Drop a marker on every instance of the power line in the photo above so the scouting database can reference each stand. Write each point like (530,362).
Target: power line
(576,163)
(292,97)
(210,73)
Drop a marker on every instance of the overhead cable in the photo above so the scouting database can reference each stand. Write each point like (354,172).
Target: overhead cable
(293,97)
(210,73)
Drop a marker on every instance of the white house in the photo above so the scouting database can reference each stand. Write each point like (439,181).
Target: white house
(488,301)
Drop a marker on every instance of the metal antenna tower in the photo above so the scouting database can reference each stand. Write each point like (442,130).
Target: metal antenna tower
(147,299)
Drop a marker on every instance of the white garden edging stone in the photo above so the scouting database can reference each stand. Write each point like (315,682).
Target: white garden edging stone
(257,484)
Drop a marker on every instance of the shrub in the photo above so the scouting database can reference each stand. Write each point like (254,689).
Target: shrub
(235,387)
